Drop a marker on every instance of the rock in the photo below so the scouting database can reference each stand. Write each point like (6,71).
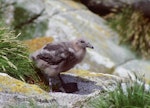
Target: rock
(139,67)
(17,93)
(90,84)
(104,7)
(143,6)
(14,93)
(25,16)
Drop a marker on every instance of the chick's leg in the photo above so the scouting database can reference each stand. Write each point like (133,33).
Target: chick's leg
(50,84)
(62,83)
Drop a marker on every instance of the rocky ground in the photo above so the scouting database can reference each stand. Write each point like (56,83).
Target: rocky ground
(90,84)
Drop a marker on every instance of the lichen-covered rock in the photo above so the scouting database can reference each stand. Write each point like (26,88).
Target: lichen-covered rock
(13,92)
(16,93)
(37,43)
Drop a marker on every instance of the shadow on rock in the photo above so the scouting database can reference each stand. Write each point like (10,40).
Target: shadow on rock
(84,86)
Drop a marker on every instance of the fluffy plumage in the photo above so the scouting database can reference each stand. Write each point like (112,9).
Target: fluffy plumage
(54,58)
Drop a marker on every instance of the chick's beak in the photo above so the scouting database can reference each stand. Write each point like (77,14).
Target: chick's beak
(89,46)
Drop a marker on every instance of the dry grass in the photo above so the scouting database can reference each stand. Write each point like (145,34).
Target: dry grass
(134,30)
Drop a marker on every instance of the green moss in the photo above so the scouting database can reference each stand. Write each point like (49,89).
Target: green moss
(1,9)
(14,55)
(32,30)
(134,30)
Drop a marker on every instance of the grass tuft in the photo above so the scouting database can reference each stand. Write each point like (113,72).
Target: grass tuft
(14,55)
(131,94)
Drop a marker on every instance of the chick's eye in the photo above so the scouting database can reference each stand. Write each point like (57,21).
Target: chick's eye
(82,41)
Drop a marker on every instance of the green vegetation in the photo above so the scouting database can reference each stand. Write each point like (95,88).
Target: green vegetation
(14,55)
(126,95)
(133,28)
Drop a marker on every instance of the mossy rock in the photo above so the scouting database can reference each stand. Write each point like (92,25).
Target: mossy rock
(28,23)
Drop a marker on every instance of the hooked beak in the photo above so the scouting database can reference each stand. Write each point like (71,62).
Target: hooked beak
(89,46)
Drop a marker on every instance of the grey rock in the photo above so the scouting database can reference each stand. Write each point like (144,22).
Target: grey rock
(139,67)
(8,100)
(25,16)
